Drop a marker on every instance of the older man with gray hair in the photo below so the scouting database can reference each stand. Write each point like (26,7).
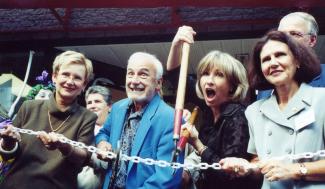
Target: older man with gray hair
(143,126)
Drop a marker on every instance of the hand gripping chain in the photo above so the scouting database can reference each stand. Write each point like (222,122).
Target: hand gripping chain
(162,163)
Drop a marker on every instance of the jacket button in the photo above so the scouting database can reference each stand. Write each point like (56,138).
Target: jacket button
(291,131)
(268,151)
(269,133)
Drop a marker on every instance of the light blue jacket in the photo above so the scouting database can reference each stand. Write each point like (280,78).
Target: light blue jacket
(298,128)
(153,139)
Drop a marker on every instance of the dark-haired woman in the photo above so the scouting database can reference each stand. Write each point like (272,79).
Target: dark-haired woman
(289,122)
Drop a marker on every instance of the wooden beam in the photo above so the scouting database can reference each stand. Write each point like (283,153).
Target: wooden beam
(58,17)
(302,4)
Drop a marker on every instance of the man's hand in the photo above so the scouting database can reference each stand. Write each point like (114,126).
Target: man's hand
(104,147)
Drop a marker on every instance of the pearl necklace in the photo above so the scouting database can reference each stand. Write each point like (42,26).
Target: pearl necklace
(60,126)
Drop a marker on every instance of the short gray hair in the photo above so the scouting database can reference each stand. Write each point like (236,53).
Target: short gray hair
(104,91)
(312,24)
(152,58)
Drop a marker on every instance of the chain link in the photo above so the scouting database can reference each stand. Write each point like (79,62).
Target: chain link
(162,163)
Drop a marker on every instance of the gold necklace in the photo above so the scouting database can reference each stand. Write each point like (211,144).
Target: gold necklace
(60,126)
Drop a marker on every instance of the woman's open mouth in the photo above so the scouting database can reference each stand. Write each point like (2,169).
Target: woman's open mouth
(210,93)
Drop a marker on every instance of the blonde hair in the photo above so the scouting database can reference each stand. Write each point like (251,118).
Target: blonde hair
(234,72)
(72,57)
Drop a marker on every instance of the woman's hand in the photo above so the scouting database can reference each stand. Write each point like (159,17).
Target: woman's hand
(50,140)
(193,137)
(237,166)
(184,34)
(193,134)
(9,137)
(276,170)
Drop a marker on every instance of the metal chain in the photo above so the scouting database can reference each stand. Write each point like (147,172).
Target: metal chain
(163,163)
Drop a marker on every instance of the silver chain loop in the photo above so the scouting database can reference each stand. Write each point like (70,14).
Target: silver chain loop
(162,163)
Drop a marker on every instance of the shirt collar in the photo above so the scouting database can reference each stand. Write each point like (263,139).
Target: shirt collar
(131,110)
(54,110)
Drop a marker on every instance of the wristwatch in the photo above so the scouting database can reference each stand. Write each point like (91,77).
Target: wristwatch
(302,170)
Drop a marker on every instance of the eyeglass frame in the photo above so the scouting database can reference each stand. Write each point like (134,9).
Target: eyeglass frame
(297,34)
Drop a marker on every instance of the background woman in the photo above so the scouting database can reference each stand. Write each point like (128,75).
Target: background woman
(43,161)
(222,84)
(288,122)
(98,100)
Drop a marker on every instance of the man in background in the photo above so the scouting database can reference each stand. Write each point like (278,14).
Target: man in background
(303,28)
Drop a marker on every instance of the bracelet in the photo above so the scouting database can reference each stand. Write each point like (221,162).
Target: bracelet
(201,150)
(8,151)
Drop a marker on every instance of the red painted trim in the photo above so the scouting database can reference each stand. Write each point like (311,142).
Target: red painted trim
(177,123)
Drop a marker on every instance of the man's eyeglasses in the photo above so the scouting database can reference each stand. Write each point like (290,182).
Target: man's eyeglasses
(297,34)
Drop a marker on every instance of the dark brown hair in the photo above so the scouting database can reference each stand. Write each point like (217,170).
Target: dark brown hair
(305,56)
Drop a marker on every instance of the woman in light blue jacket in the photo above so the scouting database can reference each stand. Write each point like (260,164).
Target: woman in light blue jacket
(290,121)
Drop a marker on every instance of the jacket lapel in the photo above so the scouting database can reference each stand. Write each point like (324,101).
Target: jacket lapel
(271,110)
(299,102)
(296,104)
(117,125)
(144,127)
